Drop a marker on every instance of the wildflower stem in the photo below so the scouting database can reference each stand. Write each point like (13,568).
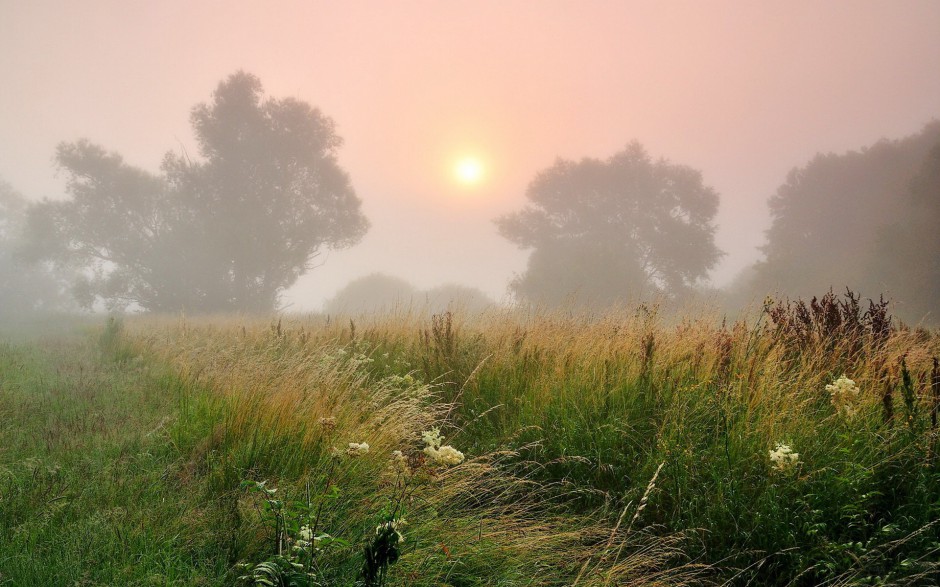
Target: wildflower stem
(316,520)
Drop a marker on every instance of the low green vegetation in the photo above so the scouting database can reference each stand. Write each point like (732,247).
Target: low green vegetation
(797,448)
(90,482)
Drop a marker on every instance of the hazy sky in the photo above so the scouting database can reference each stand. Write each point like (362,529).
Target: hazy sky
(743,91)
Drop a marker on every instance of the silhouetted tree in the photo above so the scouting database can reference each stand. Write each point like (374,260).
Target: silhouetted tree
(455,297)
(12,209)
(383,293)
(908,252)
(227,232)
(828,215)
(608,231)
(372,293)
(24,287)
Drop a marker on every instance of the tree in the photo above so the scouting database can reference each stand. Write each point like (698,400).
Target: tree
(828,218)
(604,232)
(456,297)
(908,251)
(24,287)
(384,293)
(373,293)
(227,232)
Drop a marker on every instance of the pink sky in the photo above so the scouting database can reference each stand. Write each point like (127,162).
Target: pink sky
(743,91)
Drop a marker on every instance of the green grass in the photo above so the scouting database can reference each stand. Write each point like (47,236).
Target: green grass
(90,485)
(124,454)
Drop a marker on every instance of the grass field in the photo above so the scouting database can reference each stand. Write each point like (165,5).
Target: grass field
(503,449)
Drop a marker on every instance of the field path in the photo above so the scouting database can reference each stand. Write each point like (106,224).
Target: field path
(89,487)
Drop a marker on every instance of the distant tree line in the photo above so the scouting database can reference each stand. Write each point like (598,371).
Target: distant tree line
(628,228)
(379,293)
(231,229)
(868,220)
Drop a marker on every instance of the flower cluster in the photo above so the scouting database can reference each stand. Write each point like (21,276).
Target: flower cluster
(395,526)
(783,457)
(401,380)
(360,359)
(447,455)
(844,395)
(443,455)
(400,463)
(357,449)
(305,537)
(432,437)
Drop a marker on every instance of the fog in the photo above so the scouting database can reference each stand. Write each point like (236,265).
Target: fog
(741,92)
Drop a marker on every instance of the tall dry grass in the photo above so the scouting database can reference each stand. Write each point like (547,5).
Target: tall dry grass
(276,401)
(567,417)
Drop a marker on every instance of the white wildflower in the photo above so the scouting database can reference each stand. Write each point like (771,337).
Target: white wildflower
(361,359)
(395,525)
(783,457)
(400,462)
(400,381)
(261,486)
(446,455)
(844,395)
(442,455)
(305,533)
(304,537)
(357,449)
(432,438)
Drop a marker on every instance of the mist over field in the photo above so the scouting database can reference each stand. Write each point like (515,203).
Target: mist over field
(496,293)
(583,154)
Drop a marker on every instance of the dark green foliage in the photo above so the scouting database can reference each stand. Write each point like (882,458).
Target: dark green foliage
(224,233)
(935,389)
(909,395)
(380,554)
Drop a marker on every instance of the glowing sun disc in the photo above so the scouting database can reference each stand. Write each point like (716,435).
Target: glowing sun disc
(469,170)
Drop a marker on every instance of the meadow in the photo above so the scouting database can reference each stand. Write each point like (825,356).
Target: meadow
(796,446)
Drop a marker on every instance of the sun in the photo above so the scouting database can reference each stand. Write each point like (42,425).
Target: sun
(469,170)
